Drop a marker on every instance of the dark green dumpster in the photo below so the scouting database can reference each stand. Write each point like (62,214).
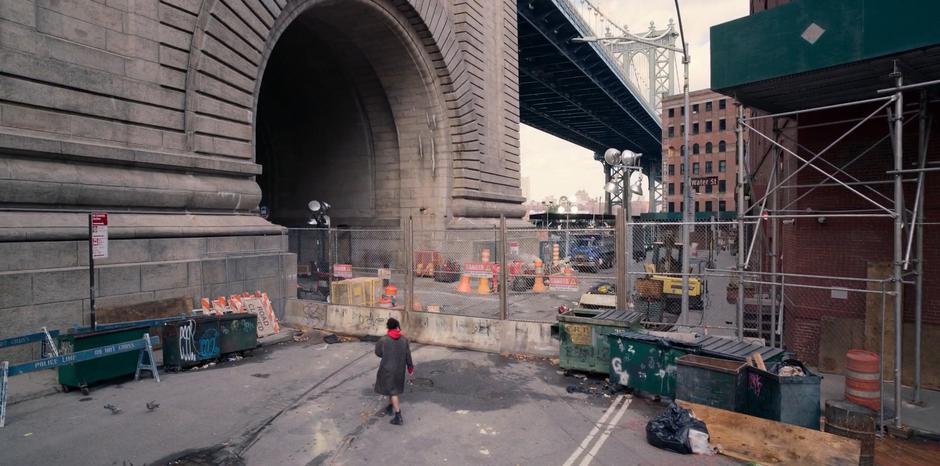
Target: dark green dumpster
(728,348)
(191,342)
(790,399)
(238,332)
(583,333)
(711,382)
(646,362)
(83,374)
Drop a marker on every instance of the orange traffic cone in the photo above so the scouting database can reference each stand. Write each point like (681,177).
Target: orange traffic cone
(539,286)
(464,285)
(484,287)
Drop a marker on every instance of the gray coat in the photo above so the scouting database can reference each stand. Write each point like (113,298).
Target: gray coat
(396,358)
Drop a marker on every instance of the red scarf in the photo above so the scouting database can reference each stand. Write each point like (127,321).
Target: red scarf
(395,333)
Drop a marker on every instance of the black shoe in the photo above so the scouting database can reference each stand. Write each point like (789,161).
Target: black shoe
(389,410)
(397,420)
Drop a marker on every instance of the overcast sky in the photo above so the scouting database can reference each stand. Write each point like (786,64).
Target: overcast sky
(556,167)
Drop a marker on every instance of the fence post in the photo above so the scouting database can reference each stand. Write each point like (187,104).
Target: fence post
(739,147)
(620,233)
(410,267)
(503,270)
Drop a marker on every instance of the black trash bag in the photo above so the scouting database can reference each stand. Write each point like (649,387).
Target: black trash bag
(670,429)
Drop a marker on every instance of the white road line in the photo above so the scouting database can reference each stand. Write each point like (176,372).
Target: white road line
(603,438)
(597,427)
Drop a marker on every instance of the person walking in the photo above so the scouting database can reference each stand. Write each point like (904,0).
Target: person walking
(395,352)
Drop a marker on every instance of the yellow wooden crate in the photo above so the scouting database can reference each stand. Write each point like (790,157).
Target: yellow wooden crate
(362,291)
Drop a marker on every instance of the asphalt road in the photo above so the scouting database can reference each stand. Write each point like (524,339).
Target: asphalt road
(311,403)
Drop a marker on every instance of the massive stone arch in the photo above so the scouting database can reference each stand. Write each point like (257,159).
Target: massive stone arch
(231,48)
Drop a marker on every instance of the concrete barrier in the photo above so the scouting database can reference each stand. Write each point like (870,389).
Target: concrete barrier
(473,333)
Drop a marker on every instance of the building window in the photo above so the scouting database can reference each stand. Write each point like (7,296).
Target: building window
(708,167)
(708,189)
(695,168)
(722,104)
(672,206)
(683,110)
(682,169)
(694,109)
(709,147)
(694,128)
(672,112)
(708,106)
(708,126)
(672,188)
(722,166)
(682,206)
(708,206)
(682,129)
(722,125)
(695,149)
(722,186)
(721,146)
(672,169)
(672,131)
(696,207)
(681,188)
(721,206)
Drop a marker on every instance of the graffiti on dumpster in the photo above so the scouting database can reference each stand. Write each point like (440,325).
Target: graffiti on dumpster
(209,344)
(754,383)
(617,364)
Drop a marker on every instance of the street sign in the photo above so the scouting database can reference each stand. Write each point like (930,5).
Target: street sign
(563,283)
(514,248)
(478,269)
(342,270)
(706,181)
(385,274)
(99,235)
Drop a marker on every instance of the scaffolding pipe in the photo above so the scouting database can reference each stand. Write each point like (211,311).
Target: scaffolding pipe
(899,88)
(898,239)
(809,163)
(816,109)
(923,141)
(687,217)
(774,205)
(739,146)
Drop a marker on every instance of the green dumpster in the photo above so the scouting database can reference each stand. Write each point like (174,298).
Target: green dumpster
(789,399)
(646,362)
(238,332)
(191,342)
(83,374)
(583,333)
(711,382)
(730,348)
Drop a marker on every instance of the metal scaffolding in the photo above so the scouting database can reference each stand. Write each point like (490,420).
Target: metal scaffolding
(771,207)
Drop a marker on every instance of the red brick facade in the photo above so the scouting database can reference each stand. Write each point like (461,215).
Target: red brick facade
(712,150)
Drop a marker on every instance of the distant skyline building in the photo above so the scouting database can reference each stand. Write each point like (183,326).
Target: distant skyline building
(526,187)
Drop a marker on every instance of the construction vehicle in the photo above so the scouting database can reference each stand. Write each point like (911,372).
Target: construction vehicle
(664,279)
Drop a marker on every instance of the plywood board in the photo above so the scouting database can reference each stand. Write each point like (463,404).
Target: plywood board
(758,440)
(836,337)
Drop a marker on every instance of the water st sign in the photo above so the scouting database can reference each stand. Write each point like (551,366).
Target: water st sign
(99,235)
(705,181)
(563,283)
(342,270)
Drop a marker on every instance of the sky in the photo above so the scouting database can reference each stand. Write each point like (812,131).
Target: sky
(559,168)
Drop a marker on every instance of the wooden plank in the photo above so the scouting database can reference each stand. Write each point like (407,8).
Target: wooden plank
(753,439)
(891,451)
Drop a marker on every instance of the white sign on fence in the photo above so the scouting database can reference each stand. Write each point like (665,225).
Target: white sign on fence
(99,235)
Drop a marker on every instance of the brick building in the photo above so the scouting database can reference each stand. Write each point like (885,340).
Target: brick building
(809,54)
(713,158)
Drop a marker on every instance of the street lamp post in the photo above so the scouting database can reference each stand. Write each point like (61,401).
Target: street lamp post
(629,162)
(687,217)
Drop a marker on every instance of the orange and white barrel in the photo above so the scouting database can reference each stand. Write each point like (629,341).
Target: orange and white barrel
(862,378)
